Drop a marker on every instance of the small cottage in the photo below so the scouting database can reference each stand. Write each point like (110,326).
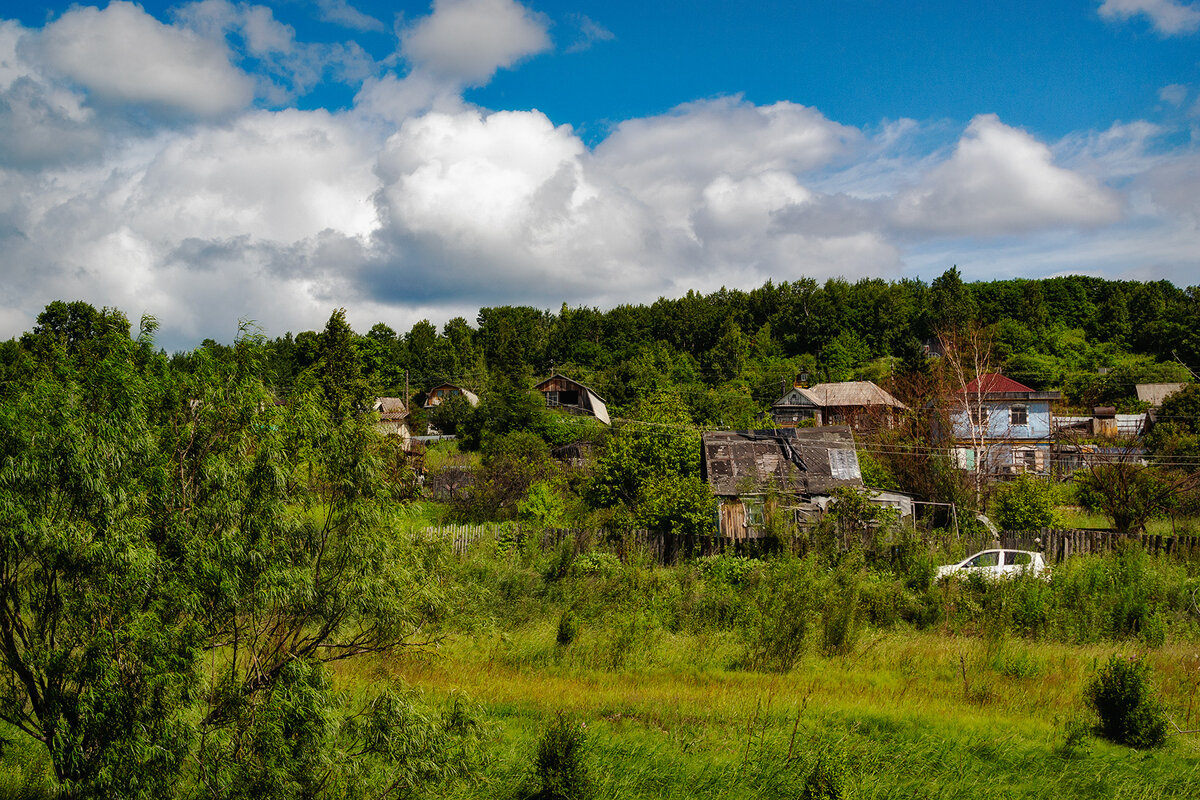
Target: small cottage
(746,468)
(443,392)
(860,404)
(573,397)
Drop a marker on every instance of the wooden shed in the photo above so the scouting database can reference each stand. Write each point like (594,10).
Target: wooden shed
(572,396)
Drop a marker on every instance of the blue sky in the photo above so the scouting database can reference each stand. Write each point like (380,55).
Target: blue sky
(212,161)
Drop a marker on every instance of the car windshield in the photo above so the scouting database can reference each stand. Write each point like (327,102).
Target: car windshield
(989,559)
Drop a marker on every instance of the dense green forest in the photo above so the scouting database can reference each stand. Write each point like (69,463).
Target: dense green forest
(729,353)
(193,546)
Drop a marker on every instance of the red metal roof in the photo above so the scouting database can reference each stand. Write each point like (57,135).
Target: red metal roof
(994,383)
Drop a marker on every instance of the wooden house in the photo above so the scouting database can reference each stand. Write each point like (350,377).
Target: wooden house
(573,397)
(859,404)
(393,417)
(1000,426)
(789,466)
(442,392)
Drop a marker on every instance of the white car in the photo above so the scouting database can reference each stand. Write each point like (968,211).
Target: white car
(997,564)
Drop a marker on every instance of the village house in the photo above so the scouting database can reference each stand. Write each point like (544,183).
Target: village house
(443,392)
(573,397)
(792,470)
(1002,427)
(393,417)
(860,404)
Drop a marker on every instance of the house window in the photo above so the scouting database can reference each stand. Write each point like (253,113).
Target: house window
(1018,415)
(979,416)
(1025,460)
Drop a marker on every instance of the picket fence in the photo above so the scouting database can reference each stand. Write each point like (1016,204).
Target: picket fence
(669,548)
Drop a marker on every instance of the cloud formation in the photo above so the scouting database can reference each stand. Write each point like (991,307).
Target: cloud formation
(197,195)
(1169,17)
(1001,180)
(123,55)
(468,40)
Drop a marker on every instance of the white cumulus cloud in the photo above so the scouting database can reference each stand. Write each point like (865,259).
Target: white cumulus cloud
(123,55)
(1000,180)
(468,40)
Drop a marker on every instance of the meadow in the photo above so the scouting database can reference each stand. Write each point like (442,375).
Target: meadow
(729,677)
(847,675)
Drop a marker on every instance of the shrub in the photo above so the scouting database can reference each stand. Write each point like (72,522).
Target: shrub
(561,766)
(1026,504)
(1130,713)
(784,605)
(828,779)
(568,629)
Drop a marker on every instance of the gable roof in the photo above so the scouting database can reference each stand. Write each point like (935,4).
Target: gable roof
(853,393)
(390,407)
(801,460)
(432,400)
(797,396)
(1155,393)
(994,383)
(594,403)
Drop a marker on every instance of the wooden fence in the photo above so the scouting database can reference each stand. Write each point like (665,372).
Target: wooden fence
(669,548)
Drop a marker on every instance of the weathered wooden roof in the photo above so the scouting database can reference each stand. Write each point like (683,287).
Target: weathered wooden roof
(388,407)
(800,460)
(838,395)
(853,393)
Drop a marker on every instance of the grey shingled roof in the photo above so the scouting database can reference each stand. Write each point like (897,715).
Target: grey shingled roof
(801,460)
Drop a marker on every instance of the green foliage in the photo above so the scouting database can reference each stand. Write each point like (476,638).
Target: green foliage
(841,618)
(829,778)
(451,414)
(1025,504)
(729,569)
(568,629)
(561,766)
(1176,432)
(543,505)
(1130,493)
(513,463)
(673,504)
(1123,698)
(152,520)
(339,370)
(786,605)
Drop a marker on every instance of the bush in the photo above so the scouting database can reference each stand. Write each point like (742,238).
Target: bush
(568,629)
(561,766)
(1026,504)
(1130,713)
(828,779)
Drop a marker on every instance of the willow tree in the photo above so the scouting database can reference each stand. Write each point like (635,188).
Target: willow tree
(180,556)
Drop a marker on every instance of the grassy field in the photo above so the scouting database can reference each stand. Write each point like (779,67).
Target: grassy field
(729,677)
(657,675)
(907,715)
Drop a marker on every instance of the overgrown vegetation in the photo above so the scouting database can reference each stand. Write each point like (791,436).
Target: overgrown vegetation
(212,580)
